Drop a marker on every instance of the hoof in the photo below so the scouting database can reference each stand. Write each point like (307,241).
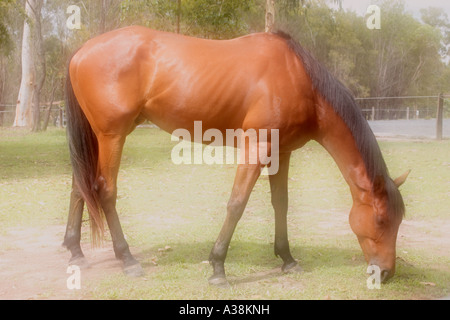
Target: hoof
(219,282)
(292,267)
(80,262)
(134,270)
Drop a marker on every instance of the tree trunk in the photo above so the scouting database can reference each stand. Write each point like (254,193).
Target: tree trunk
(49,110)
(40,65)
(103,13)
(24,101)
(270,15)
(178,15)
(2,89)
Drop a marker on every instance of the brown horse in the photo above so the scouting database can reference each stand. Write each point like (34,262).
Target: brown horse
(260,81)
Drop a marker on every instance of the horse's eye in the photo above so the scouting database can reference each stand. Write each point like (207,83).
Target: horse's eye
(381,219)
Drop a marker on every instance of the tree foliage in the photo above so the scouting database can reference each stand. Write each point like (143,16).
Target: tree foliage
(405,57)
(6,7)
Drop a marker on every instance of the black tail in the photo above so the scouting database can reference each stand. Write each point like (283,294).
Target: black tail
(83,147)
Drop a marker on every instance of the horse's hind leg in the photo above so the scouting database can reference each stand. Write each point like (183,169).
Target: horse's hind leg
(279,192)
(73,229)
(110,151)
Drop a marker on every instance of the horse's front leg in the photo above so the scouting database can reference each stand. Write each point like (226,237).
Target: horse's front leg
(73,228)
(279,193)
(245,179)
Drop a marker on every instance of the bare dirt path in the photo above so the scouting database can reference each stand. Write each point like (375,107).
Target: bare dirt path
(33,265)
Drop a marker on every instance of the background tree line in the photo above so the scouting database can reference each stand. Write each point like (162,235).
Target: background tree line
(407,56)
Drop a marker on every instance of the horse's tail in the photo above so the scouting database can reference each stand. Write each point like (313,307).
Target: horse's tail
(83,147)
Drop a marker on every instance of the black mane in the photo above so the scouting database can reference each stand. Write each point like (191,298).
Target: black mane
(344,104)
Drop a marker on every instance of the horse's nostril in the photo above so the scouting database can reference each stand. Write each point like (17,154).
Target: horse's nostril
(385,275)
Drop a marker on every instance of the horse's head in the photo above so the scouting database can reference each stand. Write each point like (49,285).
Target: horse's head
(376,225)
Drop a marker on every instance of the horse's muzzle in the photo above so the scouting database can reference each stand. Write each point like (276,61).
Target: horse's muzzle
(386,275)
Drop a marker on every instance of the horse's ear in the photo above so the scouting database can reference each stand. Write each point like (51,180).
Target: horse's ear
(401,180)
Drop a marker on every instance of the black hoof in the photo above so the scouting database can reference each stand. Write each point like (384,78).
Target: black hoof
(292,267)
(134,271)
(219,282)
(81,262)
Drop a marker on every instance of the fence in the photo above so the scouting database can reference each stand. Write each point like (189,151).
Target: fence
(428,111)
(431,110)
(56,116)
(395,108)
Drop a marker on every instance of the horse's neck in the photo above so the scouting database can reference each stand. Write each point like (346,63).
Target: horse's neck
(337,139)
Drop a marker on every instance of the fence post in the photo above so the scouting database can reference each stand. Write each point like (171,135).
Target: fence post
(373,113)
(61,125)
(439,117)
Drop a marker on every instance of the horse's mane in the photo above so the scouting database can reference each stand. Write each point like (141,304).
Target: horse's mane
(344,104)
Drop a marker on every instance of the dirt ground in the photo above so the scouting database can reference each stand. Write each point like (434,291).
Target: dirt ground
(33,264)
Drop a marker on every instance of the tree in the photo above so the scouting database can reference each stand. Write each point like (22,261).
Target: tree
(56,73)
(33,68)
(270,15)
(40,65)
(2,86)
(5,38)
(407,53)
(178,15)
(24,101)
(7,46)
(109,15)
(217,19)
(438,19)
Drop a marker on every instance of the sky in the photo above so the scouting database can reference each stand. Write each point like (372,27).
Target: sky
(413,6)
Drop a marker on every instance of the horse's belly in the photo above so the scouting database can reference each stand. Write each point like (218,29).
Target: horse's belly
(216,107)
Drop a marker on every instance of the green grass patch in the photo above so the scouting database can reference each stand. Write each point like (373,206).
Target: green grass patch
(183,206)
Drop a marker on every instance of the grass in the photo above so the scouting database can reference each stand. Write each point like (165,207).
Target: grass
(183,206)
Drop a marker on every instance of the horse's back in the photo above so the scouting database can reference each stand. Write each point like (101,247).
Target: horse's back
(173,80)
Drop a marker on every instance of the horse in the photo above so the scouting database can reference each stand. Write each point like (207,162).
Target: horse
(124,77)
